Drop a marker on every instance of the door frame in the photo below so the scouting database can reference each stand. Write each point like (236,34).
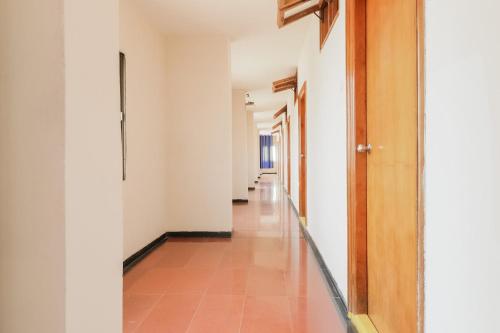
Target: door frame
(357,163)
(288,157)
(302,117)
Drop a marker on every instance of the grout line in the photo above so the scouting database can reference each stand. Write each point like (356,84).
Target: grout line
(243,312)
(202,298)
(289,304)
(149,312)
(244,301)
(196,311)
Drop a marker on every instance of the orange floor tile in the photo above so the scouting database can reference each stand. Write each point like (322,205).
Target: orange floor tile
(264,279)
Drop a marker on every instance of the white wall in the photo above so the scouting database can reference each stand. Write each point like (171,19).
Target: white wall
(32,166)
(179,123)
(325,73)
(93,191)
(146,187)
(60,187)
(253,150)
(462,237)
(200,134)
(240,149)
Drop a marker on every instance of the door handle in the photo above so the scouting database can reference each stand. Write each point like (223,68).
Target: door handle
(364,149)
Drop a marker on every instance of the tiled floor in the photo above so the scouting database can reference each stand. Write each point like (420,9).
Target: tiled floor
(264,279)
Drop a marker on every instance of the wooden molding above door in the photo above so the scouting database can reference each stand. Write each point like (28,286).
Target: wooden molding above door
(285,84)
(285,6)
(283,110)
(327,11)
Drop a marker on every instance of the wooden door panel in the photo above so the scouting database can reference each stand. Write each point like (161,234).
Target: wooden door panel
(392,164)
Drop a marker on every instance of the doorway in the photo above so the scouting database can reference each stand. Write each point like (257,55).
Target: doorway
(385,164)
(302,101)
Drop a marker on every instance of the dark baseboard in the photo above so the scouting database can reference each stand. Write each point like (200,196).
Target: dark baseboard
(293,207)
(240,201)
(332,284)
(251,188)
(200,234)
(142,253)
(269,173)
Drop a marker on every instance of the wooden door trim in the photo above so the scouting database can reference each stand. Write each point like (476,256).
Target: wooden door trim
(288,157)
(421,165)
(356,163)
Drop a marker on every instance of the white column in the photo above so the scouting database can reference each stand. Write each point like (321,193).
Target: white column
(60,187)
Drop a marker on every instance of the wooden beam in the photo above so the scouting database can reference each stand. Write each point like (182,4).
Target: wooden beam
(297,16)
(277,125)
(289,4)
(275,132)
(284,87)
(280,17)
(286,5)
(285,80)
(280,112)
(285,84)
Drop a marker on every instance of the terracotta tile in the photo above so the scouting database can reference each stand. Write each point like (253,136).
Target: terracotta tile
(218,314)
(267,244)
(148,262)
(264,279)
(236,260)
(190,280)
(153,282)
(240,245)
(131,277)
(229,282)
(214,244)
(136,308)
(270,314)
(305,283)
(176,256)
(270,259)
(266,282)
(183,244)
(313,315)
(172,315)
(257,233)
(206,258)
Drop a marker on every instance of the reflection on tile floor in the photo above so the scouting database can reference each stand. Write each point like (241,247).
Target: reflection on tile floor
(264,279)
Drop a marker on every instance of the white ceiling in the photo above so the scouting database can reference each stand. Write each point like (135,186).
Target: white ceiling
(260,52)
(260,59)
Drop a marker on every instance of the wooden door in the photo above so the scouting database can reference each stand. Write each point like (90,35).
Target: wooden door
(302,151)
(392,165)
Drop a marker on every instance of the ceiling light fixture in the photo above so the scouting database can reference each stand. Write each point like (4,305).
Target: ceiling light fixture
(248,102)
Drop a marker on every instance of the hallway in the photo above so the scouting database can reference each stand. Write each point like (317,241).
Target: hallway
(264,279)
